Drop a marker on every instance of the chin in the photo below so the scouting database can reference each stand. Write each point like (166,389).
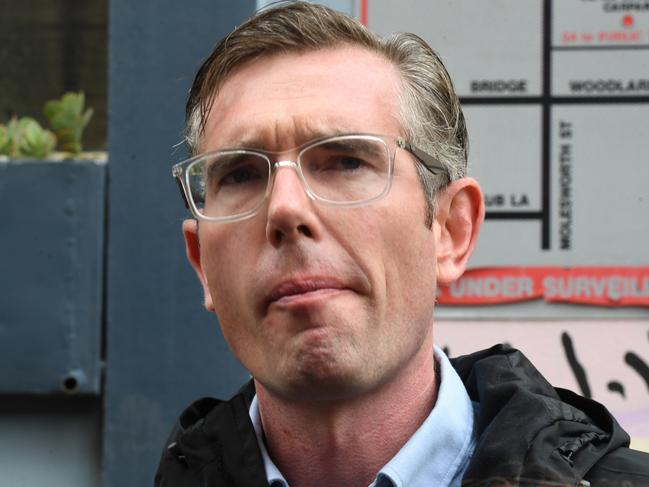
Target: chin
(322,364)
(324,381)
(327,389)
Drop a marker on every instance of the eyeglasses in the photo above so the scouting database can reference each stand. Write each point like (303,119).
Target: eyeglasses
(343,170)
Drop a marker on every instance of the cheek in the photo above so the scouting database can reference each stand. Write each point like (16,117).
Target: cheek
(396,251)
(225,278)
(362,236)
(232,309)
(409,256)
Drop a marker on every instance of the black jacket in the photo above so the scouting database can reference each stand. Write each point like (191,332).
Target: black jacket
(529,433)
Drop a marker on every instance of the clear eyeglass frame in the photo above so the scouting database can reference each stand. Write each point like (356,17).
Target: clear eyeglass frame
(181,171)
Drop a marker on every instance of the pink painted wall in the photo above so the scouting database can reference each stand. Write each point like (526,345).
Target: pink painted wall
(601,347)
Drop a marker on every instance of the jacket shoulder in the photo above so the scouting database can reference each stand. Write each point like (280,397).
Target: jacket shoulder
(528,429)
(213,443)
(622,466)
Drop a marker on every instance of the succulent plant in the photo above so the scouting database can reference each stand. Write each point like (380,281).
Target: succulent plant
(33,141)
(13,134)
(68,119)
(5,140)
(24,137)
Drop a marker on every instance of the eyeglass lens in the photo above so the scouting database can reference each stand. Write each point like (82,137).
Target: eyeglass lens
(347,169)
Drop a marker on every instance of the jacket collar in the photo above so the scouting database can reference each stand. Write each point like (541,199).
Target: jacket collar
(217,442)
(526,429)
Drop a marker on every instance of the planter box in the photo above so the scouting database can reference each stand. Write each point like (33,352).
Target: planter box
(51,276)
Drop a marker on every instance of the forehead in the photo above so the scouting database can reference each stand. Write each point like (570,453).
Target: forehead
(283,100)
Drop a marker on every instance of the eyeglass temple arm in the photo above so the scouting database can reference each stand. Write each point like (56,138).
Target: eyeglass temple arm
(429,162)
(177,174)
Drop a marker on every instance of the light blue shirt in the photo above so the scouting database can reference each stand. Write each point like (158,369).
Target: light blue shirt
(438,453)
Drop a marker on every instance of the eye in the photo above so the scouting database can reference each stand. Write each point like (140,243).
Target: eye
(239,175)
(346,156)
(350,163)
(236,170)
(333,162)
(333,159)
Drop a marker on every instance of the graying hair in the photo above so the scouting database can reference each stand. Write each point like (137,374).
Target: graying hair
(430,112)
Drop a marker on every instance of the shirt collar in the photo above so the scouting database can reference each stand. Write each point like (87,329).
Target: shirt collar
(436,454)
(274,476)
(439,451)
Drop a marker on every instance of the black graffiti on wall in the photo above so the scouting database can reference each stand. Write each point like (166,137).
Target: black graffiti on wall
(575,365)
(633,360)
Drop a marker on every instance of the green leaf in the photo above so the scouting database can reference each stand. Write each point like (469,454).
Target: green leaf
(5,140)
(67,118)
(31,140)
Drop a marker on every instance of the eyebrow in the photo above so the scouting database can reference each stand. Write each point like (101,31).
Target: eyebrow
(369,148)
(304,134)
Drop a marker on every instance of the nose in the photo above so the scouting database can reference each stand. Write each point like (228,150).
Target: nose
(291,213)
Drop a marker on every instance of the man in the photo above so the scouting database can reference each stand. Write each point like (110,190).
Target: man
(328,185)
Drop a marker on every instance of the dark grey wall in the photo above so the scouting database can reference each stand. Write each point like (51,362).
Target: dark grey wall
(163,349)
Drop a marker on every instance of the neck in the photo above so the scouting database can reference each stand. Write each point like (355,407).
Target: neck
(346,442)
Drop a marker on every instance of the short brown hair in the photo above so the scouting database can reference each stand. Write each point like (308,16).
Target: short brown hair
(430,111)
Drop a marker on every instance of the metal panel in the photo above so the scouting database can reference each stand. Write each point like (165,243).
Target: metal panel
(51,253)
(556,95)
(348,7)
(163,349)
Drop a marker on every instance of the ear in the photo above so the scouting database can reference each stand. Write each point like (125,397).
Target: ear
(459,215)
(193,249)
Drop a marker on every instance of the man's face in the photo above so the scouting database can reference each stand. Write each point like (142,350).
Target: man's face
(319,301)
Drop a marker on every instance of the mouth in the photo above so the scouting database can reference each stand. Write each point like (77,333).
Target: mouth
(303,291)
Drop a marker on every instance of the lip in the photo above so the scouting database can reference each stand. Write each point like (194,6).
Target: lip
(303,290)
